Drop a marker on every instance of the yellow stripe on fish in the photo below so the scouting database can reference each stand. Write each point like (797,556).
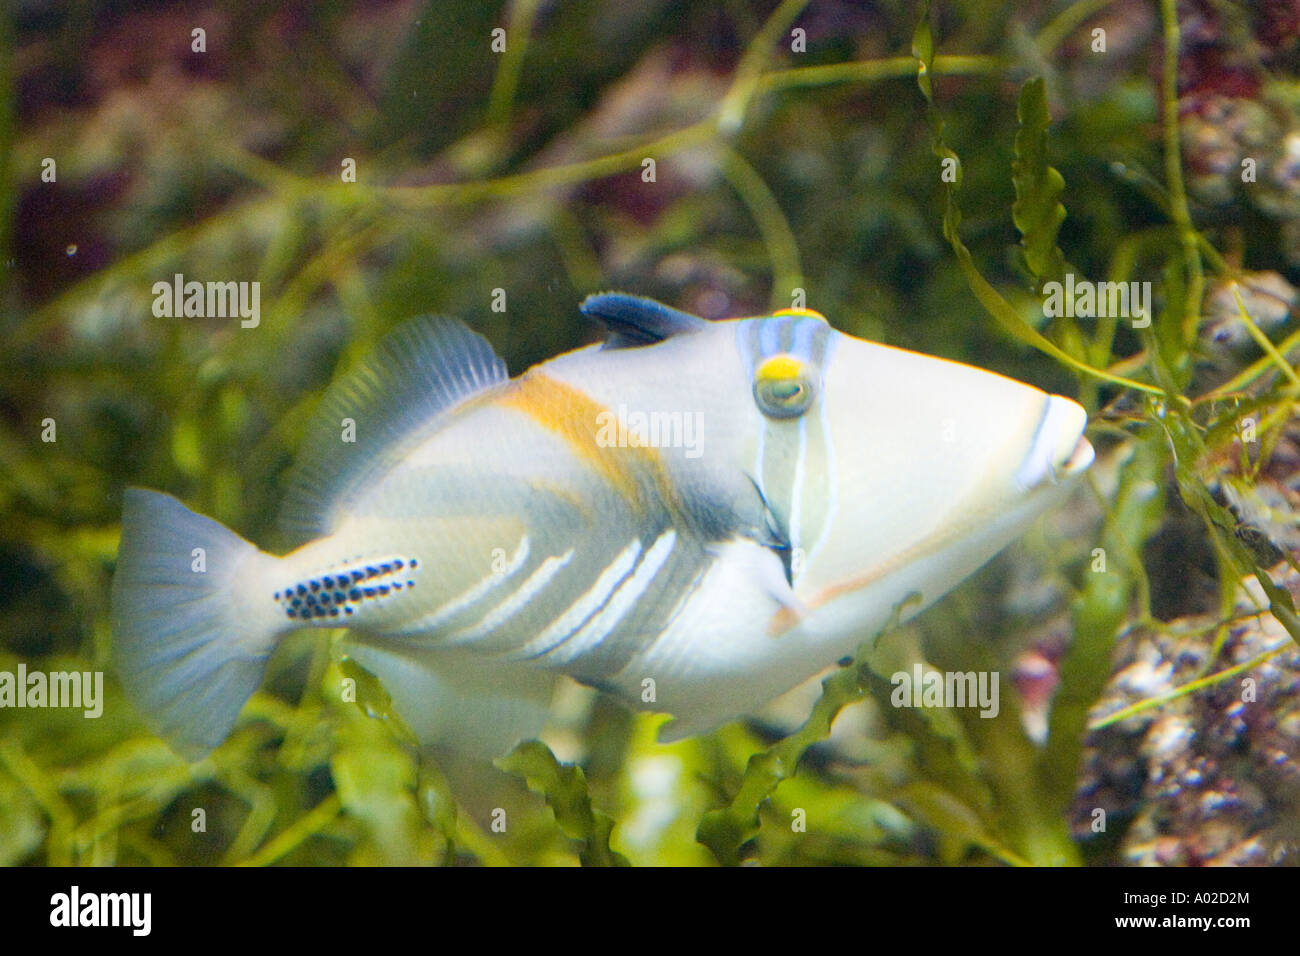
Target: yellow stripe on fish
(576,418)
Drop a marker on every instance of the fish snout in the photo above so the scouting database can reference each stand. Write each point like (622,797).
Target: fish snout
(1058,450)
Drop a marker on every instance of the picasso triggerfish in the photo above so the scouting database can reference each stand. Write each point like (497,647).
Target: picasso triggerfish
(717,510)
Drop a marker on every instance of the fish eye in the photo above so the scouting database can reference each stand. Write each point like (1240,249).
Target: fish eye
(783,388)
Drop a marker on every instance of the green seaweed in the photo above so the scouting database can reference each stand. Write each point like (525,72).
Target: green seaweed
(1037,211)
(565,790)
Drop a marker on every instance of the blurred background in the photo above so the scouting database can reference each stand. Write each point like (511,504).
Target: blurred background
(368,161)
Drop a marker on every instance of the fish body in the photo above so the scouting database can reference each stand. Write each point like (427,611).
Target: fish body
(694,516)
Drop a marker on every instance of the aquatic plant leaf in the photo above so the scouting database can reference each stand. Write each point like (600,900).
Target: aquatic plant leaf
(1037,211)
(1234,554)
(1101,610)
(923,50)
(959,826)
(1003,311)
(565,789)
(21,828)
(376,784)
(726,829)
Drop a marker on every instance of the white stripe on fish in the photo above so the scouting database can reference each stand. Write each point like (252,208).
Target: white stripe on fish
(617,607)
(516,602)
(585,607)
(474,594)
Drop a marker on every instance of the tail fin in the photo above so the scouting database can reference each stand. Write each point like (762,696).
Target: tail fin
(189,644)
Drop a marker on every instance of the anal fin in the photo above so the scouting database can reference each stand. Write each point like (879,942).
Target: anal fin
(470,703)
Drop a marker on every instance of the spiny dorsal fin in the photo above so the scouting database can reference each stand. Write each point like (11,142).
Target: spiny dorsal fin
(415,375)
(634,321)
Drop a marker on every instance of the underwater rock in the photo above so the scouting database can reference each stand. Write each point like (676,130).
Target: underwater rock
(1267,297)
(1210,777)
(1240,124)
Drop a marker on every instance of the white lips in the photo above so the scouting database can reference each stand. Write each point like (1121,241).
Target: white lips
(1058,449)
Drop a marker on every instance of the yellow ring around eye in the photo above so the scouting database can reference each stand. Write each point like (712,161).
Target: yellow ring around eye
(782,387)
(778,367)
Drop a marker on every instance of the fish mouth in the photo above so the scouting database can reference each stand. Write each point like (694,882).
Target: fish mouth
(1080,459)
(1058,450)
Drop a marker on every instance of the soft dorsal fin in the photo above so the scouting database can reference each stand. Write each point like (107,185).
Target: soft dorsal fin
(634,321)
(415,375)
